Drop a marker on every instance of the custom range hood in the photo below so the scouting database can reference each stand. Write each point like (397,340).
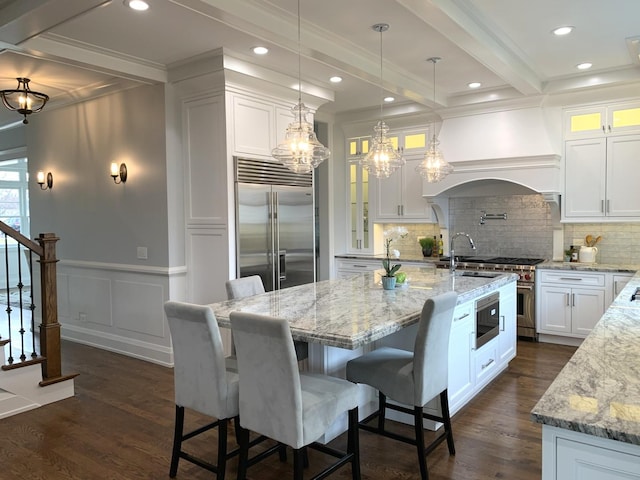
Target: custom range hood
(511,151)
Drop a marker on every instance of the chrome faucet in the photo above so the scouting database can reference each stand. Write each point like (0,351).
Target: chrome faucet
(452,257)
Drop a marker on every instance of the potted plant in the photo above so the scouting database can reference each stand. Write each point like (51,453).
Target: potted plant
(389,278)
(427,245)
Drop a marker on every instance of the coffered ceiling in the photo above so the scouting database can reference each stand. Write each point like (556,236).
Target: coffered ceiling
(76,49)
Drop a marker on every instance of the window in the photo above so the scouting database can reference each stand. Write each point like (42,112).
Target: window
(14,194)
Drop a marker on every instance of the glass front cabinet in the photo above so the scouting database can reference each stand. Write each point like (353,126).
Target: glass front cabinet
(360,240)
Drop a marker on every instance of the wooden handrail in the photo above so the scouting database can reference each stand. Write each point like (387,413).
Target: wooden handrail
(18,237)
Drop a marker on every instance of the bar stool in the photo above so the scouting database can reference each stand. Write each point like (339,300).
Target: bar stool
(280,402)
(205,381)
(413,378)
(248,286)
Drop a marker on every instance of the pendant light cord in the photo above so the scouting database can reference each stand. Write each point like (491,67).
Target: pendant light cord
(381,82)
(299,70)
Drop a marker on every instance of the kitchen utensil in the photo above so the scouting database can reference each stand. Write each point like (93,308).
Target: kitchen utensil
(597,240)
(588,239)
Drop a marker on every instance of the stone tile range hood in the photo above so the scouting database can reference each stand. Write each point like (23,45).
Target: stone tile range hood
(507,151)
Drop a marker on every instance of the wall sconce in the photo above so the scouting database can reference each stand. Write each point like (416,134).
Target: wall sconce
(42,181)
(119,172)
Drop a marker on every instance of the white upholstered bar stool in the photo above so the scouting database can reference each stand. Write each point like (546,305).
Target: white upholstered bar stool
(205,381)
(248,286)
(413,378)
(280,402)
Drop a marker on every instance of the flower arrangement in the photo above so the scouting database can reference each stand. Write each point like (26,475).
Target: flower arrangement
(390,235)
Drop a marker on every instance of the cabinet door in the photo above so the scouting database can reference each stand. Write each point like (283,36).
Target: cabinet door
(585,170)
(507,338)
(619,281)
(580,461)
(359,222)
(623,161)
(461,378)
(587,309)
(555,309)
(586,122)
(624,118)
(414,204)
(389,198)
(253,126)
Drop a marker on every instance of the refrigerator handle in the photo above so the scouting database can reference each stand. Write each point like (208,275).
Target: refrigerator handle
(276,244)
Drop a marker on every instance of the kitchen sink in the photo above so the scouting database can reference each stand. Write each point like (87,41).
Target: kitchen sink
(478,274)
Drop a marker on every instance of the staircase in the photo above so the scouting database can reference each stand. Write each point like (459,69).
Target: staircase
(20,388)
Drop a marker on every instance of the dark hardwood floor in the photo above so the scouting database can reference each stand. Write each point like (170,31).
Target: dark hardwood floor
(120,425)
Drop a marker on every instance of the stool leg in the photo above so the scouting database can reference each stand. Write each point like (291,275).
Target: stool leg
(243,436)
(444,404)
(353,443)
(382,408)
(222,448)
(298,463)
(422,458)
(177,441)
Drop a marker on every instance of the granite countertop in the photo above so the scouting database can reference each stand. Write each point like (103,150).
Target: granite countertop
(404,257)
(355,311)
(598,391)
(589,267)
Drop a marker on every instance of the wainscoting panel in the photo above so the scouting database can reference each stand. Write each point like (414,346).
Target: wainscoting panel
(139,307)
(90,299)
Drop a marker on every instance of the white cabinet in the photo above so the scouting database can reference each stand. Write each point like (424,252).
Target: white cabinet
(507,338)
(461,379)
(600,120)
(599,184)
(399,197)
(346,267)
(569,303)
(618,281)
(569,455)
(359,222)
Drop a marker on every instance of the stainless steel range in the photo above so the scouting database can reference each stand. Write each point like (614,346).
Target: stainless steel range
(524,268)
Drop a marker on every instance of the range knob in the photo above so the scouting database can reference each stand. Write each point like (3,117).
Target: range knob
(527,276)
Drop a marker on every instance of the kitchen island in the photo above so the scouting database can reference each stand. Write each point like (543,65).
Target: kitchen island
(343,318)
(590,414)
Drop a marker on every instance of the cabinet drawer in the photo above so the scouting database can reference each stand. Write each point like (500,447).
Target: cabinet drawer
(462,312)
(572,278)
(486,361)
(358,265)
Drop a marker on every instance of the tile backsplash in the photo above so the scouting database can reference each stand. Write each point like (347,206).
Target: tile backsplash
(527,231)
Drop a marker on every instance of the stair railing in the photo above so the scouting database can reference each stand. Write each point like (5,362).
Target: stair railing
(50,356)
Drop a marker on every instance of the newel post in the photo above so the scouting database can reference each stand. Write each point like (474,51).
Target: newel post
(49,328)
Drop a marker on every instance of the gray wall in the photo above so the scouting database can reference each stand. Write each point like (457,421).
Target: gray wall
(96,219)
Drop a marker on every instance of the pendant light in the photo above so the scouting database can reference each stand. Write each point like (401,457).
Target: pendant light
(23,100)
(382,160)
(300,151)
(434,167)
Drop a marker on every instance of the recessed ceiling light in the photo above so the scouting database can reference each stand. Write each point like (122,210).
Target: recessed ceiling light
(560,31)
(335,79)
(260,50)
(389,99)
(584,66)
(474,85)
(138,5)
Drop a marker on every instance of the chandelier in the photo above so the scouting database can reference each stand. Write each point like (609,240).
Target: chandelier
(382,160)
(434,167)
(23,100)
(300,151)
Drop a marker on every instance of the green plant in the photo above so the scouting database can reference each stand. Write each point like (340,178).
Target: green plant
(426,243)
(389,236)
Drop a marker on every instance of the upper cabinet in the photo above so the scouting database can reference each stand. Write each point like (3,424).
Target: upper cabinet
(357,147)
(599,121)
(399,197)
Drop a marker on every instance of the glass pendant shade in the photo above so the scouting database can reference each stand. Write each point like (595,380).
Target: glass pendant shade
(382,160)
(300,151)
(23,100)
(434,167)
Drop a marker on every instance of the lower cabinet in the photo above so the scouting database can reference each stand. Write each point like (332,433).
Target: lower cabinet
(618,282)
(346,268)
(569,455)
(461,343)
(570,303)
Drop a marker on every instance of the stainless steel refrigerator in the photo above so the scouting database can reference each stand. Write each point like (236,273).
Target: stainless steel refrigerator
(275,224)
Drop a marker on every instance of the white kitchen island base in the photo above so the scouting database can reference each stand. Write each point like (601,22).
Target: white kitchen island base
(569,455)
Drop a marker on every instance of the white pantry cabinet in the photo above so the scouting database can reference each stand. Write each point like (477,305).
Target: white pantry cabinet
(599,180)
(569,303)
(600,120)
